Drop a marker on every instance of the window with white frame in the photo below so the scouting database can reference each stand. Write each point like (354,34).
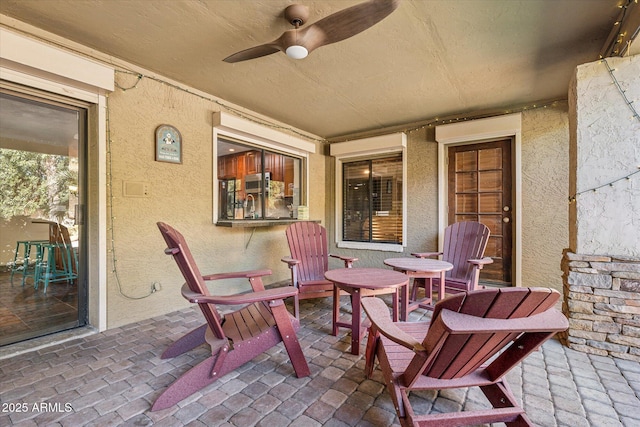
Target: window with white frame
(260,173)
(371,193)
(256,183)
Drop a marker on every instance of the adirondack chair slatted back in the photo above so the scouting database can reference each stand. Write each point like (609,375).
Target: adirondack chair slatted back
(308,243)
(177,246)
(463,241)
(457,355)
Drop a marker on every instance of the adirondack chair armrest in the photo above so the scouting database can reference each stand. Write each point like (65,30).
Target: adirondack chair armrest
(238,274)
(378,313)
(348,261)
(291,262)
(480,262)
(246,298)
(426,254)
(459,323)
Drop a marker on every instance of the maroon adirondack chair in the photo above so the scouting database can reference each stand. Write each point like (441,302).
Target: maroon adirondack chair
(464,246)
(473,340)
(236,337)
(309,261)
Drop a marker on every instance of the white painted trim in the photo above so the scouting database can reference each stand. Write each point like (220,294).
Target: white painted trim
(101,316)
(366,147)
(473,132)
(35,64)
(243,129)
(43,59)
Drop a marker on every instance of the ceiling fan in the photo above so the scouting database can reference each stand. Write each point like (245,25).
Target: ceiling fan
(298,43)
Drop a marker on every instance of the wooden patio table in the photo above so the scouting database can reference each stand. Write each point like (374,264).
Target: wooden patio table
(422,268)
(363,282)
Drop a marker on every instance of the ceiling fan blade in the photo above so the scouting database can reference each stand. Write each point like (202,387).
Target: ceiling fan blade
(253,52)
(346,23)
(331,29)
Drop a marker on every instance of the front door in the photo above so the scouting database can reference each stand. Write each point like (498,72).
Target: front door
(479,182)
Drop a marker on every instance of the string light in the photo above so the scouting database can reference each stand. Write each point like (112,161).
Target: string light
(622,92)
(573,198)
(112,250)
(236,111)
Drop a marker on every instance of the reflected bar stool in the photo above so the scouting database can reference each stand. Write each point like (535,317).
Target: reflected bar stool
(48,270)
(23,266)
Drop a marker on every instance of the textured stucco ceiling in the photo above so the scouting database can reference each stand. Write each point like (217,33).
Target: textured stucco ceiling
(430,58)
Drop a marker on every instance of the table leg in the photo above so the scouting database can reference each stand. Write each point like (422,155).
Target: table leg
(404,302)
(441,286)
(336,309)
(395,305)
(356,322)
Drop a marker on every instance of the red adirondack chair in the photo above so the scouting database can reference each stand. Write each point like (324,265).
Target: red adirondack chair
(457,348)
(309,261)
(464,245)
(236,337)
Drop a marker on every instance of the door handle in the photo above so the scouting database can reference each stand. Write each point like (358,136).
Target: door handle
(505,219)
(506,208)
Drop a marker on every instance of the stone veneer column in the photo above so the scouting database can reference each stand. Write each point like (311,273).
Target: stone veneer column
(602,266)
(602,300)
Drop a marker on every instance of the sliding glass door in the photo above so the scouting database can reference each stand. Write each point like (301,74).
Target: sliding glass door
(42,184)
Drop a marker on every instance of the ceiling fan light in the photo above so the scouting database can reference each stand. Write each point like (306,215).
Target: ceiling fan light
(297,52)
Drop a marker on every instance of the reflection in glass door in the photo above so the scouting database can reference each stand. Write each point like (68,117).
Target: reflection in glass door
(42,149)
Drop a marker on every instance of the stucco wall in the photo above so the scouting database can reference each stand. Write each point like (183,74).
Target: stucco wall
(545,170)
(545,174)
(180,195)
(605,147)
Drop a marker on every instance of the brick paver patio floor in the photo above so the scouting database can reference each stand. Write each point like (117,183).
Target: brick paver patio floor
(112,378)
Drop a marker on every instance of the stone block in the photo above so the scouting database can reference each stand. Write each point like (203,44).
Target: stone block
(625,258)
(579,264)
(624,340)
(589,350)
(616,316)
(629,302)
(630,285)
(608,327)
(585,270)
(608,346)
(631,331)
(616,294)
(582,325)
(616,266)
(576,340)
(588,335)
(581,289)
(617,308)
(576,296)
(627,356)
(580,307)
(593,317)
(591,280)
(628,321)
(589,258)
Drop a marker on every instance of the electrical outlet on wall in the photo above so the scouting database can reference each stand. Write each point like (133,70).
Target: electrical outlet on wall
(155,287)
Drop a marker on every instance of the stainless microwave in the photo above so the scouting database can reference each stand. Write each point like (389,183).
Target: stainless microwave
(253,183)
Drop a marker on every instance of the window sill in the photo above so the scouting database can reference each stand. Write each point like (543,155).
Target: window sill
(386,247)
(251,223)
